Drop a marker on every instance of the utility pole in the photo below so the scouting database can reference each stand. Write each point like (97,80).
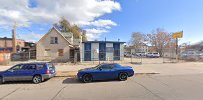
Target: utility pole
(177,49)
(14,38)
(175,36)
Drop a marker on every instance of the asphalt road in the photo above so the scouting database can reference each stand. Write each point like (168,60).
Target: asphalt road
(140,87)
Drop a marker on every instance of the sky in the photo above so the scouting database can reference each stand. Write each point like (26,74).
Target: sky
(102,19)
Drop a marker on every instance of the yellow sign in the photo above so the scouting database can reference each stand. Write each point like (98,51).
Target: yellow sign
(177,35)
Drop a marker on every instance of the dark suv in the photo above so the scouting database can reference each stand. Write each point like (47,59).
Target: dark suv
(37,72)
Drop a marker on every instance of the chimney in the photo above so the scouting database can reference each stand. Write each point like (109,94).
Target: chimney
(14,39)
(5,44)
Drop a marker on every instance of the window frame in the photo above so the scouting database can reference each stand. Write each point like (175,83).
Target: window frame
(109,67)
(53,40)
(60,52)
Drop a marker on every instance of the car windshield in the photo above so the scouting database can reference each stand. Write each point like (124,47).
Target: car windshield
(96,67)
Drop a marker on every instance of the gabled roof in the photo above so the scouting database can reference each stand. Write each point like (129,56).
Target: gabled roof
(54,28)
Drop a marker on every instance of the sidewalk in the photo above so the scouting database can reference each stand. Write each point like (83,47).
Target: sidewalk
(64,70)
(149,66)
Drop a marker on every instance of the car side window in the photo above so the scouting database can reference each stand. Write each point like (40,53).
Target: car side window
(29,67)
(40,66)
(106,67)
(17,67)
(112,66)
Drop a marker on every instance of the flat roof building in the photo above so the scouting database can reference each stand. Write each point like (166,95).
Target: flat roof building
(102,50)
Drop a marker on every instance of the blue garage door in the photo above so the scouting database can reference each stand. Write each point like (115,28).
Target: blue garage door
(116,47)
(87,51)
(102,51)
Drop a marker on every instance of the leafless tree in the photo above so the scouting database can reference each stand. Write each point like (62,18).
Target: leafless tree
(84,36)
(137,39)
(67,27)
(159,39)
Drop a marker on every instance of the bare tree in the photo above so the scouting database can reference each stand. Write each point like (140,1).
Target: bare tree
(84,36)
(138,39)
(67,27)
(159,39)
(76,31)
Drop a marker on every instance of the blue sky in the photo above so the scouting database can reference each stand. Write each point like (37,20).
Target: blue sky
(146,15)
(130,16)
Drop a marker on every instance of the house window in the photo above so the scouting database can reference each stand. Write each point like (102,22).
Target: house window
(60,52)
(47,52)
(54,40)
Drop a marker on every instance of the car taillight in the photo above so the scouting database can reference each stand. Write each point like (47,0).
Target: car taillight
(47,71)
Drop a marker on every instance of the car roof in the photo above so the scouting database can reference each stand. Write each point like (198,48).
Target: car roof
(36,63)
(108,63)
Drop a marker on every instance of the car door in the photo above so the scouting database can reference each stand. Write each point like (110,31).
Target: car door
(12,73)
(105,72)
(26,72)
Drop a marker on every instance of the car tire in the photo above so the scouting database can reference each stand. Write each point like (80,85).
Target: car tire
(37,79)
(87,78)
(1,80)
(123,76)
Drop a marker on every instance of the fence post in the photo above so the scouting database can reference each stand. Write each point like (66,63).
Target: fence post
(141,59)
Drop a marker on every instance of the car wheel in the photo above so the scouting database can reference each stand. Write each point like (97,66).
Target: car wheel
(123,76)
(37,79)
(1,80)
(87,78)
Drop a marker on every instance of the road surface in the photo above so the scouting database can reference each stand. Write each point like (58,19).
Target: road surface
(139,87)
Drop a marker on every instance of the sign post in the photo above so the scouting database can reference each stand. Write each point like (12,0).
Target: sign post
(177,35)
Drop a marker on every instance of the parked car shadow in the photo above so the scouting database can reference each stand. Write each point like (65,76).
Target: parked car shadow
(18,82)
(73,80)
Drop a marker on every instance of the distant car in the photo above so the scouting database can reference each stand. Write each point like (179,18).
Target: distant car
(105,72)
(127,54)
(149,54)
(191,55)
(36,72)
(156,55)
(153,55)
(141,54)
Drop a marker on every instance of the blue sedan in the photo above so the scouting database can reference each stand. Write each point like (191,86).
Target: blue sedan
(105,72)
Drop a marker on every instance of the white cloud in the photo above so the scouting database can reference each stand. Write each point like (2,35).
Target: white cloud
(30,37)
(81,12)
(99,23)
(94,33)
